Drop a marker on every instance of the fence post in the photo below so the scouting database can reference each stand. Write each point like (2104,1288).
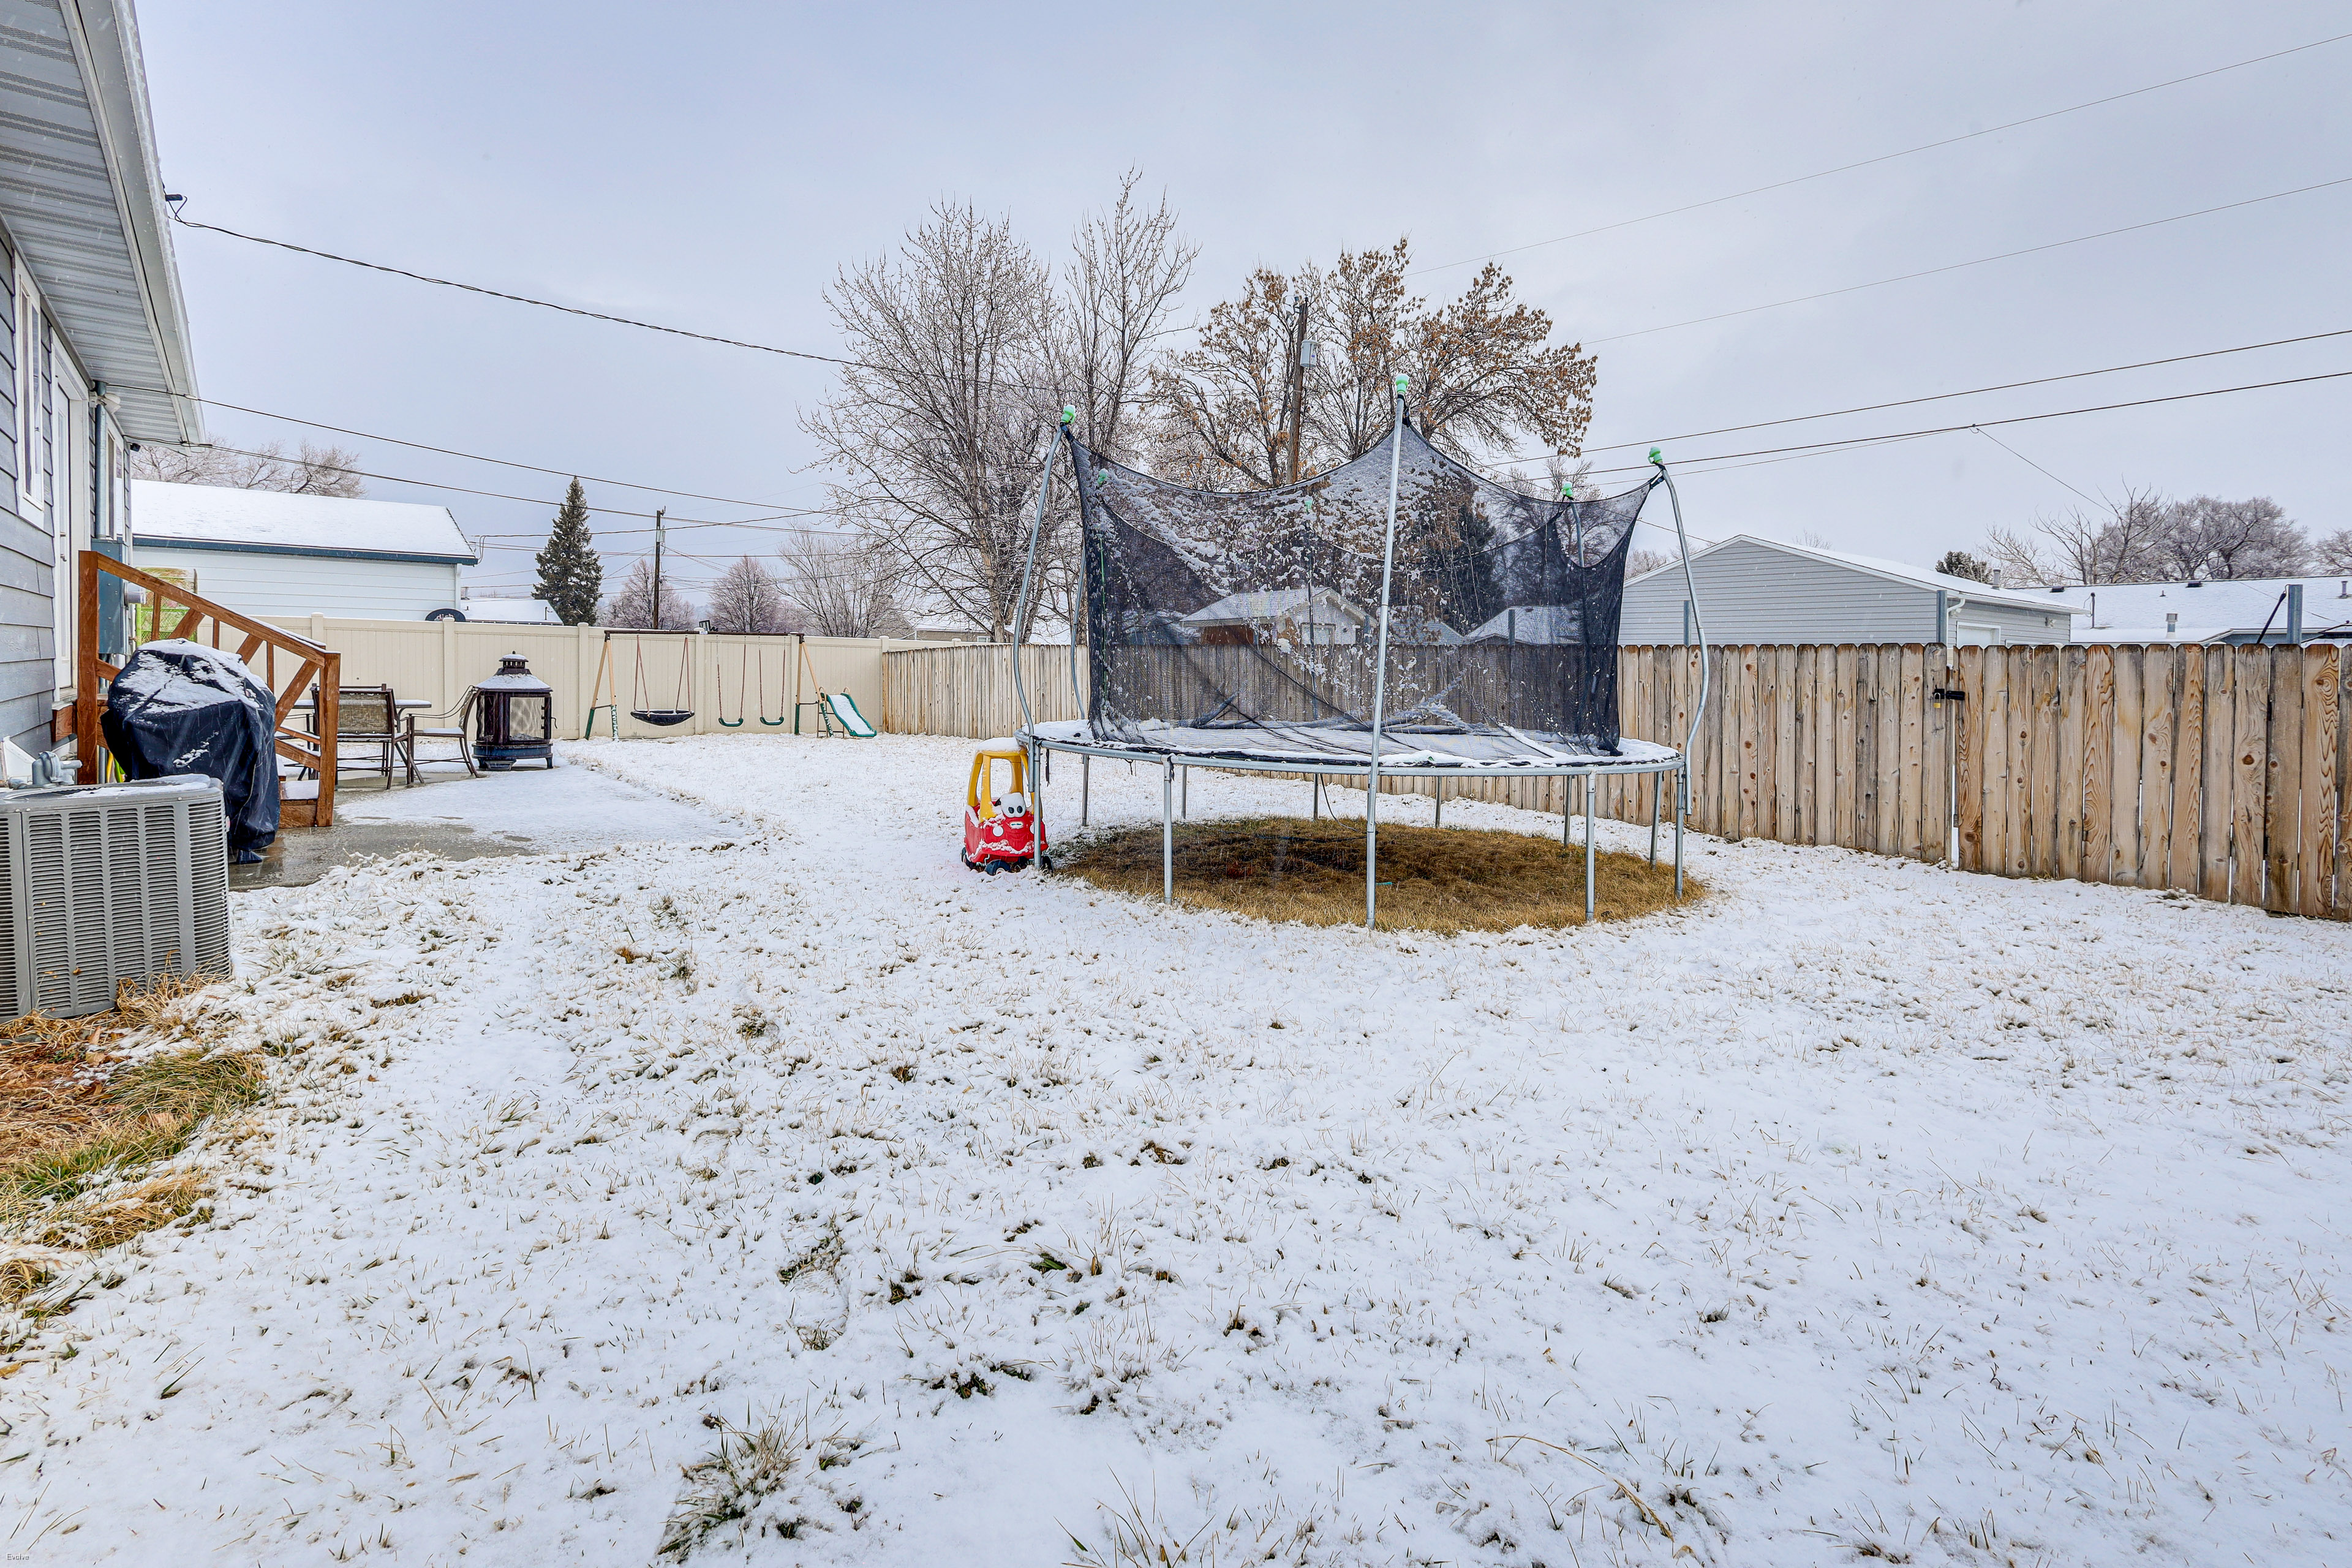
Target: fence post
(448,666)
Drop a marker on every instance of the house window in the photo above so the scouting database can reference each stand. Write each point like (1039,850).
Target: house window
(29,400)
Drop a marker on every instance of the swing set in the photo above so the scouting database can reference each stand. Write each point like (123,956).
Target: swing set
(837,712)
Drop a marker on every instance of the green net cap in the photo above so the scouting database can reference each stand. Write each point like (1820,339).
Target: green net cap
(1069,414)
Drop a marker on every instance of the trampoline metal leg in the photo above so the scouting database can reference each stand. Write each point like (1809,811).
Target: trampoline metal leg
(1086,781)
(1315,795)
(1588,852)
(1564,799)
(1439,785)
(1041,764)
(1682,806)
(1184,796)
(1167,832)
(1653,818)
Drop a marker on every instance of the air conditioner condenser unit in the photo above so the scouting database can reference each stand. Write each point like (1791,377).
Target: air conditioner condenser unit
(104,883)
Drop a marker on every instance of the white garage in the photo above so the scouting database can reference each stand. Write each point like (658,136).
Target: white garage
(282,557)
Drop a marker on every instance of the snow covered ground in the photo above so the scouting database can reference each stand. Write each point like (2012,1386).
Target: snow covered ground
(1861,1211)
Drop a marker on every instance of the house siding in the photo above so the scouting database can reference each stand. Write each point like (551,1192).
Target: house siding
(28,575)
(290,587)
(1750,594)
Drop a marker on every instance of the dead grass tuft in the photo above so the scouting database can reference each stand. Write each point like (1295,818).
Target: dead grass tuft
(20,1277)
(1438,879)
(77,1120)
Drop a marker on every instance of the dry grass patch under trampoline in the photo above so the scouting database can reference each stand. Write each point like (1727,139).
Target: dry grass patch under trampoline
(1434,878)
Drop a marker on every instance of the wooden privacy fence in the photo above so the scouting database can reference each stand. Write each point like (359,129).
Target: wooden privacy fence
(2216,771)
(966,689)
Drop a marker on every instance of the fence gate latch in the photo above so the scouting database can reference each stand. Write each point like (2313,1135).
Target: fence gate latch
(1949,694)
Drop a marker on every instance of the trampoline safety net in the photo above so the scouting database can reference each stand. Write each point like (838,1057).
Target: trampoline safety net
(1247,624)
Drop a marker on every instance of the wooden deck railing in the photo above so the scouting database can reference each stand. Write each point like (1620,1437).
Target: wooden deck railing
(289,666)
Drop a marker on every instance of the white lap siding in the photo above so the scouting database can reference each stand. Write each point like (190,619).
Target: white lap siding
(27,603)
(284,587)
(1751,593)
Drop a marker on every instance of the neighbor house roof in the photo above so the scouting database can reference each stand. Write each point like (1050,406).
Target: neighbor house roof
(1538,625)
(84,206)
(1897,571)
(1269,604)
(2134,612)
(214,517)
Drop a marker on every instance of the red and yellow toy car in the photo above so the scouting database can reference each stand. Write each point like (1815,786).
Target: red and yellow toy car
(1001,832)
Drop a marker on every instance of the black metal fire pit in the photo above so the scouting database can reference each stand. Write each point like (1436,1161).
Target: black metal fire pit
(514,717)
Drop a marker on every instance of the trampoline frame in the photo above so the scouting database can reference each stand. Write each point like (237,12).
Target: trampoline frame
(1041,748)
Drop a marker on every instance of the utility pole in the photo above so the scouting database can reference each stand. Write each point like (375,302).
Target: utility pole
(658,513)
(1294,401)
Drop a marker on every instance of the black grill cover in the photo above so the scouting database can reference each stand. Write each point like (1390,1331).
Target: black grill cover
(179,707)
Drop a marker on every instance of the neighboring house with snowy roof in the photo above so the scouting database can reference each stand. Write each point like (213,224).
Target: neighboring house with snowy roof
(278,556)
(1753,590)
(94,349)
(1280,615)
(1533,625)
(2245,610)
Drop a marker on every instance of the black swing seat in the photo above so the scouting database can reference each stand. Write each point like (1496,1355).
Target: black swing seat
(664,717)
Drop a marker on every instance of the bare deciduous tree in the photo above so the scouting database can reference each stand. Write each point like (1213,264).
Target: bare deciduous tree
(1640,561)
(1483,372)
(941,425)
(2125,545)
(2144,538)
(748,598)
(634,605)
(311,472)
(841,586)
(1127,267)
(2206,537)
(2333,551)
(1220,401)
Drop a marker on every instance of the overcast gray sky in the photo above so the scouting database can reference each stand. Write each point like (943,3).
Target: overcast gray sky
(711,166)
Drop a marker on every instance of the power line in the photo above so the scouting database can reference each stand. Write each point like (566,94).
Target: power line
(2013,420)
(2030,463)
(764,524)
(474,457)
(1881,158)
(1979,261)
(1940,396)
(516,299)
(568,310)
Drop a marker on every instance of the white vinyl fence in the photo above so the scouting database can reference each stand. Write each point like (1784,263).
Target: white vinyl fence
(718,675)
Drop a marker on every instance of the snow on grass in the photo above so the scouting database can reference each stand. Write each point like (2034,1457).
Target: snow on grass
(812,1198)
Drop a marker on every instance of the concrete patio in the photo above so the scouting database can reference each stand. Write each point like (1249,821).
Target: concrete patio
(527,811)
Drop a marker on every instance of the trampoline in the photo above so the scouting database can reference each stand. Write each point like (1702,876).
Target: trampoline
(1397,615)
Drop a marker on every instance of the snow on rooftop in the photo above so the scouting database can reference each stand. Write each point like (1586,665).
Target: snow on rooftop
(2134,612)
(216,515)
(1270,604)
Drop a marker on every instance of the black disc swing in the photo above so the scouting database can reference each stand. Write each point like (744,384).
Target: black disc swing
(663,717)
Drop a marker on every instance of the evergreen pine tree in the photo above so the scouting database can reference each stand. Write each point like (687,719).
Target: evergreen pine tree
(571,575)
